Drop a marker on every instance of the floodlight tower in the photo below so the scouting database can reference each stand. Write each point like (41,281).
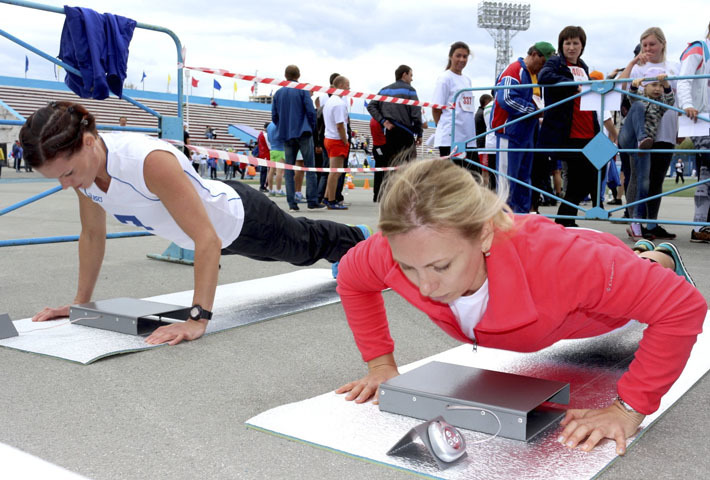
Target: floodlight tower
(503,21)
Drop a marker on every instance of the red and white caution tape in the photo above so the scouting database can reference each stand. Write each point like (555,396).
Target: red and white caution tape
(250,160)
(315,88)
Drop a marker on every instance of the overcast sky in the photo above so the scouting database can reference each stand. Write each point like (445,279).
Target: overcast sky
(362,39)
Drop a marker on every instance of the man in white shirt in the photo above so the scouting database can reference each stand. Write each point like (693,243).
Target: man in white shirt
(335,115)
(195,157)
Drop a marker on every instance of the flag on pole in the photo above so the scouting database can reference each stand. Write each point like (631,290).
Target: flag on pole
(216,84)
(56,77)
(27,64)
(194,81)
(143,77)
(235,87)
(169,79)
(252,88)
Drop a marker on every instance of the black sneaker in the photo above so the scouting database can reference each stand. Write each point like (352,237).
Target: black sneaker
(293,208)
(661,233)
(316,206)
(647,234)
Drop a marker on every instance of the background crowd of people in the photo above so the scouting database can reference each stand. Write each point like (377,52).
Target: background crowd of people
(643,123)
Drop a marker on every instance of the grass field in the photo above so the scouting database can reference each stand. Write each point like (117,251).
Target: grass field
(669,184)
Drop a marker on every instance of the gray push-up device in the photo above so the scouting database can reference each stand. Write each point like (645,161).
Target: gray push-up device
(7,328)
(516,400)
(127,315)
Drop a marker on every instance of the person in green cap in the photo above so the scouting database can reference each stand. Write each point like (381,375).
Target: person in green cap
(511,104)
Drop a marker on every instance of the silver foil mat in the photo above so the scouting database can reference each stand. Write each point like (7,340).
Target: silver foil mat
(236,304)
(591,366)
(19,464)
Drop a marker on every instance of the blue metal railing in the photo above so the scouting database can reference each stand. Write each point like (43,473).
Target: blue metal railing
(161,130)
(599,153)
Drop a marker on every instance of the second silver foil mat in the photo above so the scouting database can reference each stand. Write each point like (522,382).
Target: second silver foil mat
(591,366)
(236,304)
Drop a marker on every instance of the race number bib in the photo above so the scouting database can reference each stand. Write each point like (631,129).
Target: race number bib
(466,102)
(579,74)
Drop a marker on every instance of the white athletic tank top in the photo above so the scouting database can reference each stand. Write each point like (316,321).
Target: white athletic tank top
(129,200)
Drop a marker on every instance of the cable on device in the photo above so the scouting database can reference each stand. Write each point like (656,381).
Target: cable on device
(483,411)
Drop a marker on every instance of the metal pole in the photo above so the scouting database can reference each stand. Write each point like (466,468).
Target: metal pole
(30,200)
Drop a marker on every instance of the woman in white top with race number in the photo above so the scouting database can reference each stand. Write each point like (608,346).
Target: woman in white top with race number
(450,82)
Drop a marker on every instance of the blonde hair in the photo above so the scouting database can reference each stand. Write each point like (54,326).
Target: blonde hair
(440,194)
(660,36)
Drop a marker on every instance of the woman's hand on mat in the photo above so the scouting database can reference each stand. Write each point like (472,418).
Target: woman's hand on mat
(49,313)
(589,427)
(177,332)
(364,389)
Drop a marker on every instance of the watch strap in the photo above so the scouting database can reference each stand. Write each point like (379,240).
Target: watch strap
(202,314)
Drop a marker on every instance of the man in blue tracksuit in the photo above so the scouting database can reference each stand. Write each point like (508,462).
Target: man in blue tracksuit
(17,155)
(511,104)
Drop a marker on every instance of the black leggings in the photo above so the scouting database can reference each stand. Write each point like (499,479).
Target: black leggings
(270,234)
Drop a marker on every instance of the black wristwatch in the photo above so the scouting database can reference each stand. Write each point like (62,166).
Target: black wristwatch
(199,313)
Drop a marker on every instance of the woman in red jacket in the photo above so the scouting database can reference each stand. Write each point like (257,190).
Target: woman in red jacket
(462,257)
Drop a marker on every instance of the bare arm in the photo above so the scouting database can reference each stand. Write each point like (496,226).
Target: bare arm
(92,245)
(343,133)
(165,178)
(613,134)
(639,59)
(436,115)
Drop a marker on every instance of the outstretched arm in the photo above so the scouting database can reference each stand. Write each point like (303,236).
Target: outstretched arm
(92,244)
(165,178)
(633,289)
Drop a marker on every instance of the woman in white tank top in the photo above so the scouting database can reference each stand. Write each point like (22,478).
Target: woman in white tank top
(148,183)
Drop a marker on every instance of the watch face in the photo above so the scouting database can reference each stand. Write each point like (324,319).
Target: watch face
(195,312)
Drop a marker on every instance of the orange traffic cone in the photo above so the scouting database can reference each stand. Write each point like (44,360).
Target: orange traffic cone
(350,184)
(366,185)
